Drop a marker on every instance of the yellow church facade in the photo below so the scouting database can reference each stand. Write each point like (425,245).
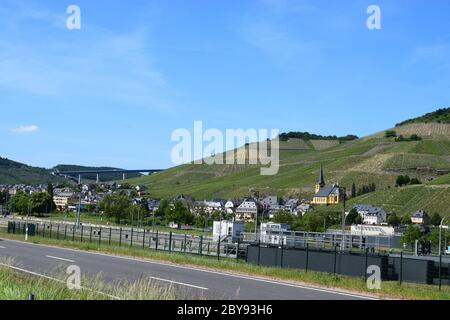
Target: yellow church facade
(327,195)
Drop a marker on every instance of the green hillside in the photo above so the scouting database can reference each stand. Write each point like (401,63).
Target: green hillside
(373,159)
(407,200)
(12,172)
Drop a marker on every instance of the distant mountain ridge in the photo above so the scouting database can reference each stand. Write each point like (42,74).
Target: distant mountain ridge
(12,172)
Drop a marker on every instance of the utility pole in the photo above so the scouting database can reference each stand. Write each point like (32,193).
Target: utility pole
(361,226)
(440,234)
(77,223)
(28,217)
(343,222)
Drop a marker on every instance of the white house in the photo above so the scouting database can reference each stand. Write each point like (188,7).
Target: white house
(371,215)
(247,210)
(212,206)
(229,207)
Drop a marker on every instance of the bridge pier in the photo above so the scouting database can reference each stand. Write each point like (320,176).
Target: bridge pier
(79,179)
(98,178)
(124,176)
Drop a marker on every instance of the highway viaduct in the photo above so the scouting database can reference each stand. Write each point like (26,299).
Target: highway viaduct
(99,172)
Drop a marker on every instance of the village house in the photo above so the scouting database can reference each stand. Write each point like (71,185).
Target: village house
(420,217)
(247,210)
(230,207)
(370,214)
(63,199)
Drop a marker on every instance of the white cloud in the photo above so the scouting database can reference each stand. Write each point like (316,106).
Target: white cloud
(25,129)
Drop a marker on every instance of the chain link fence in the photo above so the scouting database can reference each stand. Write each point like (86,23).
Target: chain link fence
(130,237)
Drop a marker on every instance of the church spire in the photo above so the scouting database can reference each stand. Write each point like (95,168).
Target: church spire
(321,180)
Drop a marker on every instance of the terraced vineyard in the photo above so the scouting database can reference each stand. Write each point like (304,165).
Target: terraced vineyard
(373,159)
(407,200)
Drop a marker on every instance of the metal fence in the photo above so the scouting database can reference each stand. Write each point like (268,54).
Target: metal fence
(327,240)
(393,267)
(130,237)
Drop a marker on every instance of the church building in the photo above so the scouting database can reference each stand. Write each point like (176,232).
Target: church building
(327,195)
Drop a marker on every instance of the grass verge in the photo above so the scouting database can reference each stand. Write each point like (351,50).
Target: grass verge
(19,285)
(389,289)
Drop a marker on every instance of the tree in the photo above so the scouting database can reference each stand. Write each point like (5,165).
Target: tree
(403,180)
(144,206)
(415,181)
(297,223)
(415,137)
(41,202)
(319,222)
(51,194)
(393,219)
(200,222)
(433,236)
(390,134)
(20,202)
(435,219)
(180,214)
(3,197)
(411,234)
(353,190)
(405,220)
(283,216)
(352,217)
(163,209)
(115,205)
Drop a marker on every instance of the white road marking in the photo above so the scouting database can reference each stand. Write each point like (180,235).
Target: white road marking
(54,279)
(62,259)
(207,271)
(2,247)
(180,283)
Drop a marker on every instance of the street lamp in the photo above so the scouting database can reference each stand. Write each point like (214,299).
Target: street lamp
(361,226)
(440,233)
(28,217)
(343,222)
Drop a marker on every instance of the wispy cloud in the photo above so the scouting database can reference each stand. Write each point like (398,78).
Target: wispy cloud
(289,6)
(92,62)
(270,30)
(276,42)
(25,129)
(437,55)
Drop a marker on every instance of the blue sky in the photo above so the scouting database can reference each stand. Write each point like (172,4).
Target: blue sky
(113,92)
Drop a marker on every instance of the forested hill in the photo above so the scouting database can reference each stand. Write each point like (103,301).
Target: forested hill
(438,116)
(12,172)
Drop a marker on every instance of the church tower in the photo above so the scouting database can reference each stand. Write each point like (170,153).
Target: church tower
(321,181)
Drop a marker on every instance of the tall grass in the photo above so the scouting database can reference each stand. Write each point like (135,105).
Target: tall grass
(19,285)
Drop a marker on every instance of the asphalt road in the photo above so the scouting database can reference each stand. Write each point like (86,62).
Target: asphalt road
(46,260)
